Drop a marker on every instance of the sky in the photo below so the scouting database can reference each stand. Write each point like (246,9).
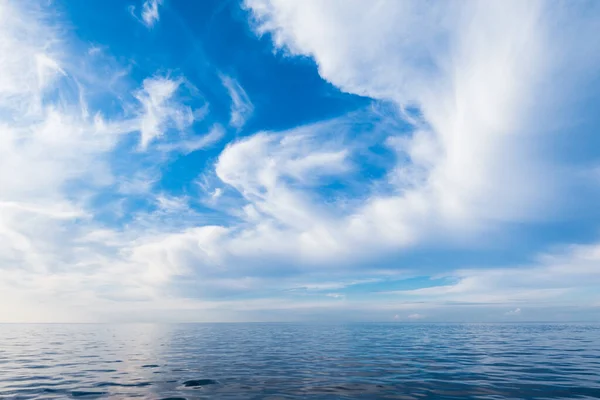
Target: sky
(317,160)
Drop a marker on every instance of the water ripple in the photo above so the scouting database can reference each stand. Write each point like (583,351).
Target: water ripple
(293,361)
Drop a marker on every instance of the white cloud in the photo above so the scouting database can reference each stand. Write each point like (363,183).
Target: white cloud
(216,194)
(160,110)
(566,277)
(480,75)
(45,144)
(415,316)
(279,202)
(241,106)
(516,311)
(187,146)
(172,204)
(140,183)
(150,14)
(170,255)
(325,285)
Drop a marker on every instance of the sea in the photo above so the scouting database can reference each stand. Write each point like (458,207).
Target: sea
(300,361)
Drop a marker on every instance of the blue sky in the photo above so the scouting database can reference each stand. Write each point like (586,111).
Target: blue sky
(176,161)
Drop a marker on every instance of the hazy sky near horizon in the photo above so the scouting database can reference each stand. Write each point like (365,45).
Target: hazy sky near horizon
(282,160)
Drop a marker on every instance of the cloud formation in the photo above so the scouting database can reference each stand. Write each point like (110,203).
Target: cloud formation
(465,107)
(155,98)
(241,106)
(473,80)
(56,153)
(150,14)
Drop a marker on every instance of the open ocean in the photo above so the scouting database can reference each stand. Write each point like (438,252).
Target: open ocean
(292,361)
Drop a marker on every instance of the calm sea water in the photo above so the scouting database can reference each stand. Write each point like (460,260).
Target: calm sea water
(287,361)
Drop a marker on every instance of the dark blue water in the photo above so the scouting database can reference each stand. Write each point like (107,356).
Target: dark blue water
(286,361)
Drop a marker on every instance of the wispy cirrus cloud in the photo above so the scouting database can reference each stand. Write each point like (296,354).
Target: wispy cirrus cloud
(149,14)
(186,146)
(567,277)
(160,110)
(241,106)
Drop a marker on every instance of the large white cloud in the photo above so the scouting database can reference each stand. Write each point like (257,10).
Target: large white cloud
(469,78)
(493,84)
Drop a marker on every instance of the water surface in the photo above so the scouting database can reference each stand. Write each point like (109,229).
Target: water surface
(287,361)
